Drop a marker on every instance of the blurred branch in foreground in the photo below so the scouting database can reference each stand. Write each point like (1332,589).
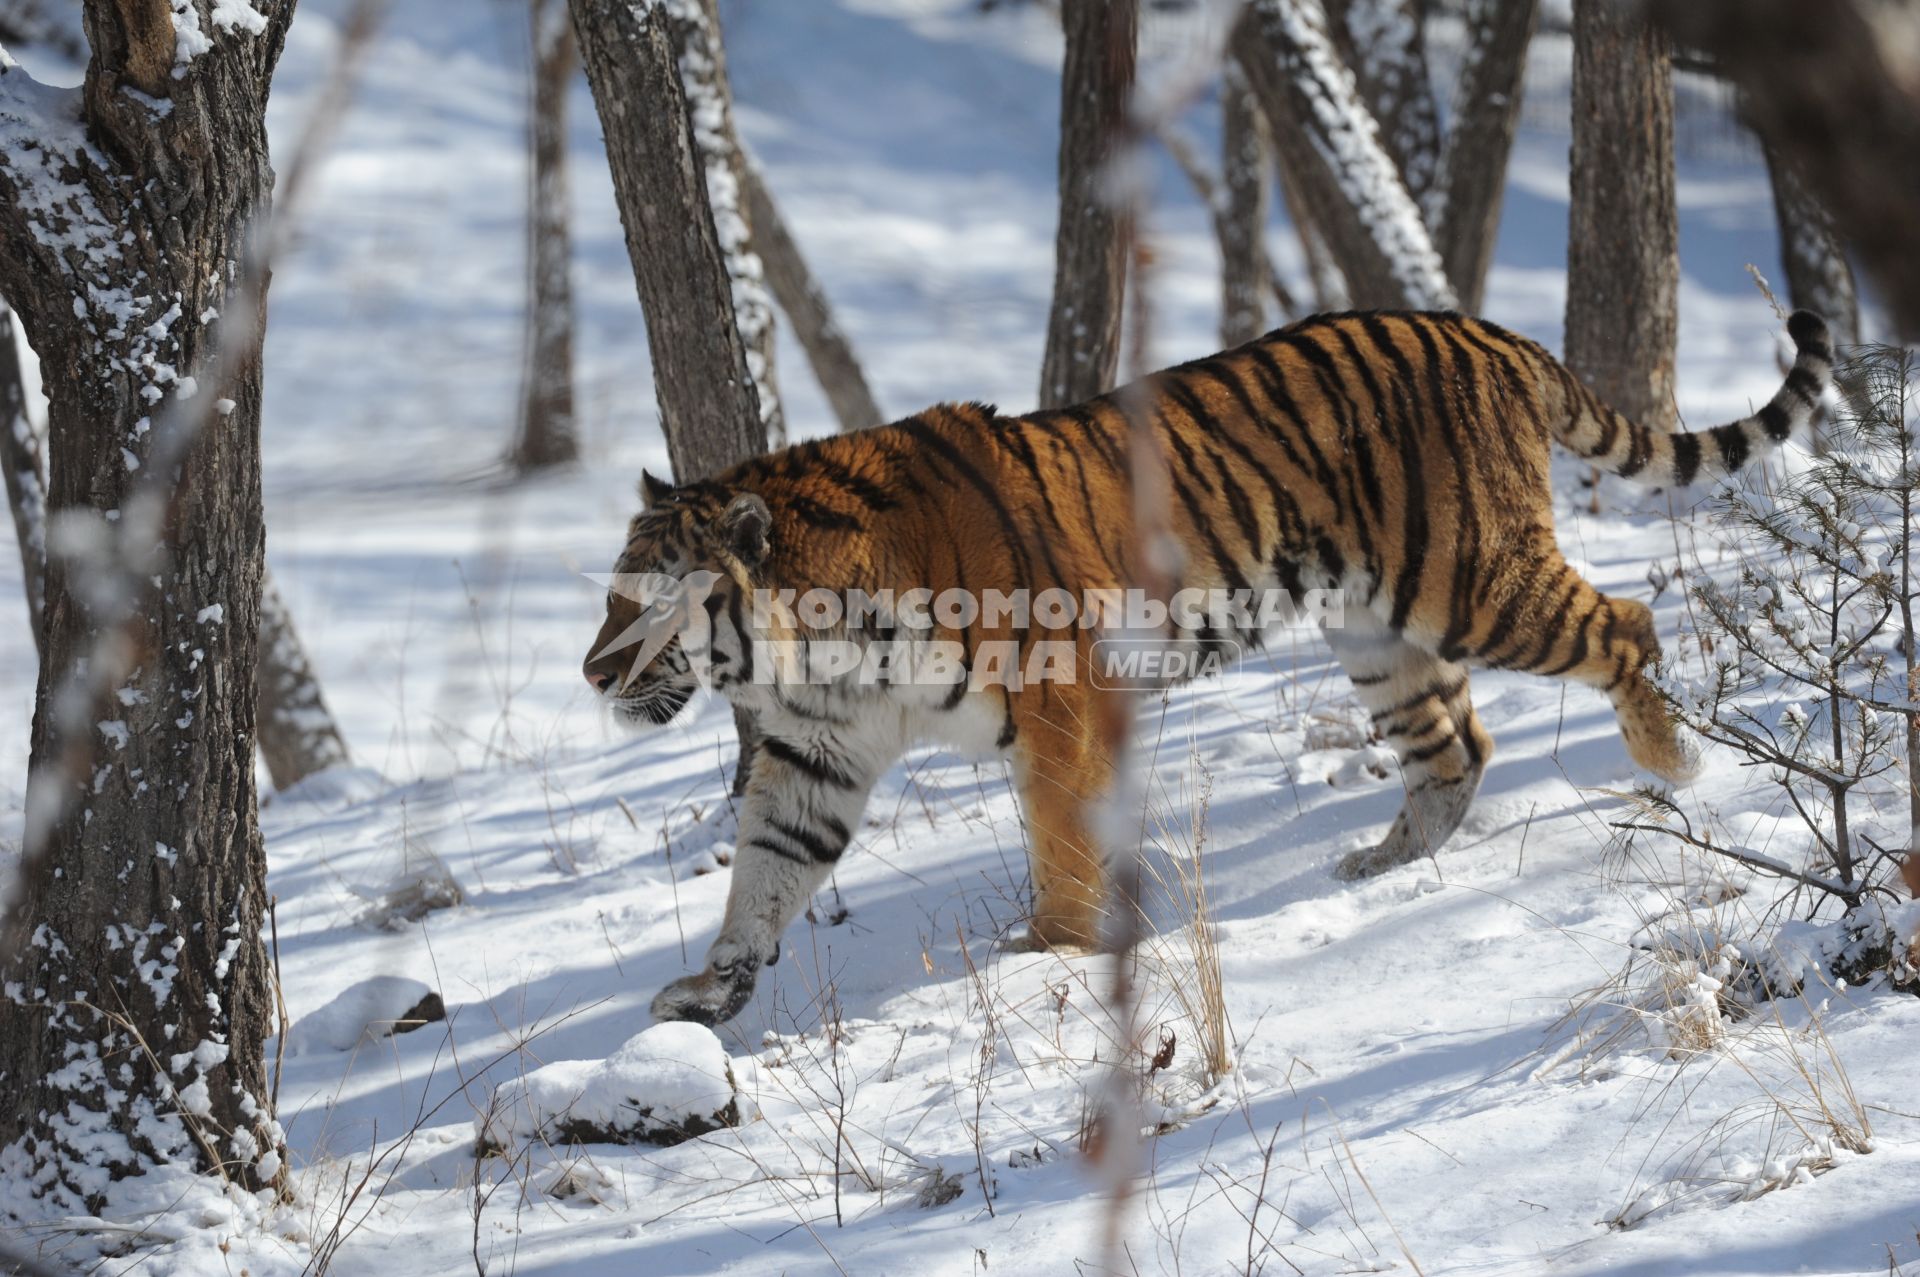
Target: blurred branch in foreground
(1832,89)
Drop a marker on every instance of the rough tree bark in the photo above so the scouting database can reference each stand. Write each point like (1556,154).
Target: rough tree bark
(674,196)
(1242,213)
(546,435)
(136,923)
(1090,241)
(1327,142)
(26,479)
(1473,167)
(1382,42)
(804,303)
(1832,89)
(1623,239)
(709,403)
(298,735)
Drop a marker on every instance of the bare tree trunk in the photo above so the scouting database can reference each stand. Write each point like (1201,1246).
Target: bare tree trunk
(1246,275)
(1623,254)
(1473,170)
(26,478)
(1831,88)
(1090,242)
(298,735)
(709,404)
(805,305)
(676,189)
(1330,148)
(1382,42)
(138,992)
(1819,277)
(547,436)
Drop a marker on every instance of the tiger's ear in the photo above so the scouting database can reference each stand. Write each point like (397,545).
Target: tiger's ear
(744,527)
(653,491)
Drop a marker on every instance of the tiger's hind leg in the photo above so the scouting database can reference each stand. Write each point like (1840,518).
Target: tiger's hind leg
(1420,705)
(1564,628)
(1063,764)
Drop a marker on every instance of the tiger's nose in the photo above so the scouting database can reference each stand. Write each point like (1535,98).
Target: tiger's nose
(599,680)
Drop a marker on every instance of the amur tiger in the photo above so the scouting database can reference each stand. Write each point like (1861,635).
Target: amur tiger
(1401,458)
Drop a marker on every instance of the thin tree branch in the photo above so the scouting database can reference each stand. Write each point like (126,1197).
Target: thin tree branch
(805,305)
(1207,187)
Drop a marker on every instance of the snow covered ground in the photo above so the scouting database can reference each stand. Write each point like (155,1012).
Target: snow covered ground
(1402,1097)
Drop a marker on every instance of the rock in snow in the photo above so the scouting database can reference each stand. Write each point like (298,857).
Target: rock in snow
(667,1085)
(375,1008)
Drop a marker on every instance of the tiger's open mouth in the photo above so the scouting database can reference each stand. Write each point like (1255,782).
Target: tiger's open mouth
(652,705)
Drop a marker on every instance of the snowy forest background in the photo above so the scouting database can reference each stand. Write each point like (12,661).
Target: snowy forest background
(1565,1046)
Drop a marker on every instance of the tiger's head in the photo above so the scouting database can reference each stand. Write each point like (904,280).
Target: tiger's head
(674,601)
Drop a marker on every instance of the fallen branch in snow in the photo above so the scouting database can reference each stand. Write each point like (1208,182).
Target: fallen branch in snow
(18,1263)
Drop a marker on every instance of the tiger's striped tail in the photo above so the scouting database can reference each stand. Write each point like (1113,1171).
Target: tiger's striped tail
(1633,451)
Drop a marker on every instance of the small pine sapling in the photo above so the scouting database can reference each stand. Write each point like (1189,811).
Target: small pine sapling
(1809,663)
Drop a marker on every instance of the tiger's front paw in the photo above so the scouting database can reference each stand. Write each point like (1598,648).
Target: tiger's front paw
(712,997)
(1368,862)
(717,994)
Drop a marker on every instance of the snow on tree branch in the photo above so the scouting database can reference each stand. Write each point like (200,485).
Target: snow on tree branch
(1375,216)
(1390,69)
(190,40)
(709,106)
